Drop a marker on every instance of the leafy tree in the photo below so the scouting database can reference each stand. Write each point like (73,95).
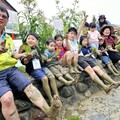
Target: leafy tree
(94,19)
(70,16)
(33,20)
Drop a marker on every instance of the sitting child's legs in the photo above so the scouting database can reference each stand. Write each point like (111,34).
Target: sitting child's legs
(56,70)
(75,61)
(40,75)
(67,59)
(51,77)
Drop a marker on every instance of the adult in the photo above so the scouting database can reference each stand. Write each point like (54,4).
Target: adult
(10,75)
(109,43)
(102,21)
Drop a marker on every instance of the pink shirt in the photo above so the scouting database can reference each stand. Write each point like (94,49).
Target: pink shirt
(93,36)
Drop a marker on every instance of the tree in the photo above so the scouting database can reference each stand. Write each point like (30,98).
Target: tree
(70,16)
(34,20)
(94,19)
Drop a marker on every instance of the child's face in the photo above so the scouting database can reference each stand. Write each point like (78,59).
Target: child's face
(85,42)
(51,46)
(92,29)
(71,35)
(59,42)
(31,41)
(101,42)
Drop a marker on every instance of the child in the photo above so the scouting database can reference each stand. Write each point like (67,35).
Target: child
(35,66)
(105,58)
(86,49)
(65,57)
(70,43)
(93,36)
(54,65)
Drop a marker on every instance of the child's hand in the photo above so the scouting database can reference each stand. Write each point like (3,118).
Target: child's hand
(66,36)
(23,54)
(30,56)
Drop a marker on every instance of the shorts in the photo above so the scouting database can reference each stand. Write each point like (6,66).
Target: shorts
(38,74)
(94,45)
(14,78)
(86,62)
(105,59)
(57,70)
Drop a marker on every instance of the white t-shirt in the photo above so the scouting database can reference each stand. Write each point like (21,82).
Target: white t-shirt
(73,45)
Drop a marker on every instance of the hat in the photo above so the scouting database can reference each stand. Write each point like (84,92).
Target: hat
(102,17)
(106,26)
(33,34)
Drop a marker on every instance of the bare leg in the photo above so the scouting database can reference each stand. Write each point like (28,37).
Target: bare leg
(46,88)
(105,76)
(75,62)
(114,68)
(111,69)
(9,109)
(54,86)
(36,98)
(96,79)
(67,60)
(65,81)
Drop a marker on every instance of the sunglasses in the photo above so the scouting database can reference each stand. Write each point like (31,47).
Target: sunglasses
(4,17)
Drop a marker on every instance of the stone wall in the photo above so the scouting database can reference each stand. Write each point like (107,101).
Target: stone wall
(69,95)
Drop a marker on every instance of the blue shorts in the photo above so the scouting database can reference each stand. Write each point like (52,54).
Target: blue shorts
(105,59)
(94,45)
(38,74)
(12,77)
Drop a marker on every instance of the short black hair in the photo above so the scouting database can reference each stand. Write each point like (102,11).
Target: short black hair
(57,36)
(33,34)
(82,38)
(3,9)
(72,29)
(92,25)
(49,41)
(86,24)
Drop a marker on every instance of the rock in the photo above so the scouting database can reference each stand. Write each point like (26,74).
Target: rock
(66,91)
(81,87)
(87,93)
(99,117)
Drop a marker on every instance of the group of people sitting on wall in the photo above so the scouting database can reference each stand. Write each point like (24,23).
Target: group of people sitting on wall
(80,47)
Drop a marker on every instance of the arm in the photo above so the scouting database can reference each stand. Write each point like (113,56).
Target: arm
(66,45)
(18,56)
(81,26)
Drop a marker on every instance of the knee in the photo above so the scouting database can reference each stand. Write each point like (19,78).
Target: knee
(97,69)
(7,101)
(45,79)
(89,70)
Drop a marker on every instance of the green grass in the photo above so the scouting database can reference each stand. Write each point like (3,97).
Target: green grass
(73,118)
